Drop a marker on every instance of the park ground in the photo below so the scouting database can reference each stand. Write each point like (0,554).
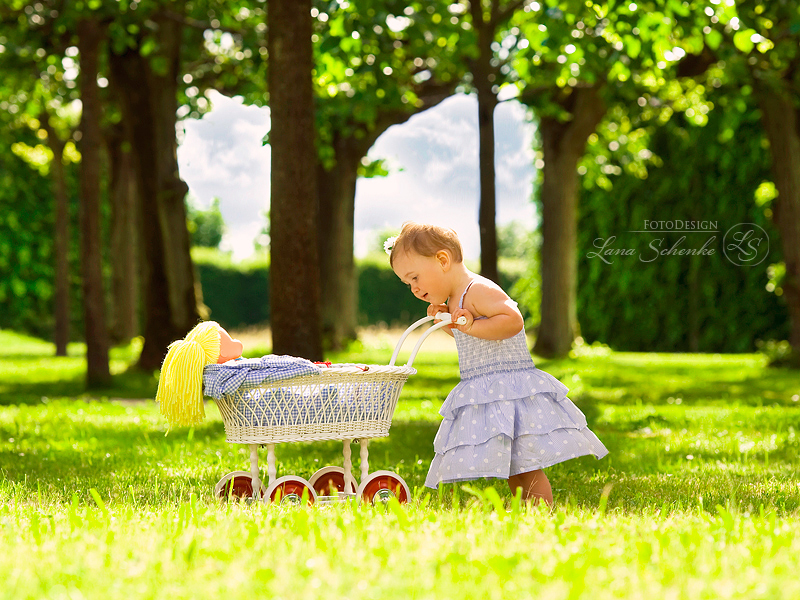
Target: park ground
(698,498)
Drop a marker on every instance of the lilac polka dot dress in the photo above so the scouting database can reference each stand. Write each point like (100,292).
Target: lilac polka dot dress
(505,417)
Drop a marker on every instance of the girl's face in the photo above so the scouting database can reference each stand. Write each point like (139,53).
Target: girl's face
(424,275)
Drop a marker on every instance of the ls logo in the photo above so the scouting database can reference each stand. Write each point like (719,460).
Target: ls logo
(745,244)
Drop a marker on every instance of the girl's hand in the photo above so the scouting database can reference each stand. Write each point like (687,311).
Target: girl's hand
(462,312)
(433,309)
(437,308)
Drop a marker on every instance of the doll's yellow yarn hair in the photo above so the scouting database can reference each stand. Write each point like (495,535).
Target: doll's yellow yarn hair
(180,385)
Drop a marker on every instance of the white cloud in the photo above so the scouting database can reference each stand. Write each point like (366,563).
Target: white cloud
(437,150)
(222,156)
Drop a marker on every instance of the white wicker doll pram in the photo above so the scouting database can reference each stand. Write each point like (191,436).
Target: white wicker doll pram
(344,402)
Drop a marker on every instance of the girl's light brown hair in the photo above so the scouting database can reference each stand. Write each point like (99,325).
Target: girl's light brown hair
(426,240)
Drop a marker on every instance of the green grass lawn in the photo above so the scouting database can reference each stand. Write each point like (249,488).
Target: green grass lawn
(699,497)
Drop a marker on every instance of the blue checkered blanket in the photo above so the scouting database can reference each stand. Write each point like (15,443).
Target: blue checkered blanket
(228,377)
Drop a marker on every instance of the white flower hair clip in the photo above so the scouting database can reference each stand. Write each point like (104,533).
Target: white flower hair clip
(389,244)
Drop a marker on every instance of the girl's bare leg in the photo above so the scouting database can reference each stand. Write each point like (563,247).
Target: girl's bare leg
(535,486)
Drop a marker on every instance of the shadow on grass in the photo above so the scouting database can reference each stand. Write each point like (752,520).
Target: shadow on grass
(128,384)
(663,456)
(120,459)
(614,380)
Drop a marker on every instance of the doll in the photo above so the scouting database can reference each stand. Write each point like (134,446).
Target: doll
(180,385)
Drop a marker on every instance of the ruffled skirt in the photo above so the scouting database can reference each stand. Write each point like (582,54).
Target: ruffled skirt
(506,424)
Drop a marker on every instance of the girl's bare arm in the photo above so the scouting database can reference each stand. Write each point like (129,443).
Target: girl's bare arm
(503,317)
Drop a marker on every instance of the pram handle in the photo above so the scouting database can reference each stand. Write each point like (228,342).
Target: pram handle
(446,319)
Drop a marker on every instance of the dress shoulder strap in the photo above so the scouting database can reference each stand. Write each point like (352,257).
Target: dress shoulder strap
(461,302)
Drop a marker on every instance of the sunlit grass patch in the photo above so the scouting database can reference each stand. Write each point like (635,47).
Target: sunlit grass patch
(698,498)
(482,550)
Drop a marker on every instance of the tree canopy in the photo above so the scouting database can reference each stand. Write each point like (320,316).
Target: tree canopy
(605,81)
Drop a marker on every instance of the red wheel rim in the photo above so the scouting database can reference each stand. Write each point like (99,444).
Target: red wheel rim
(241,487)
(325,485)
(291,492)
(382,488)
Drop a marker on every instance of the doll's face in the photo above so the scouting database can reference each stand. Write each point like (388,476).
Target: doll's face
(228,347)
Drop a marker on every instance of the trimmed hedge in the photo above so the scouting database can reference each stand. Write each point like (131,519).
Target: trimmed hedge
(681,303)
(237,294)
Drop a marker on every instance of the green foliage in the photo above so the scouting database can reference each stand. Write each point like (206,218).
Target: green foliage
(26,242)
(674,303)
(527,292)
(520,268)
(623,47)
(376,60)
(31,373)
(206,227)
(621,141)
(756,39)
(778,353)
(262,242)
(754,47)
(372,168)
(382,297)
(236,293)
(514,241)
(228,42)
(40,63)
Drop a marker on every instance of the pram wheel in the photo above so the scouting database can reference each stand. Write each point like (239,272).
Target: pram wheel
(237,486)
(328,481)
(382,485)
(289,490)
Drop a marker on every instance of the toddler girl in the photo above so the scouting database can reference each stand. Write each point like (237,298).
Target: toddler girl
(506,418)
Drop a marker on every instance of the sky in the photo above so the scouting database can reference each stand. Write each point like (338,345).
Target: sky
(432,160)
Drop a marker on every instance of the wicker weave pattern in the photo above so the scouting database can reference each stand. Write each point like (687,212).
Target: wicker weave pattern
(343,402)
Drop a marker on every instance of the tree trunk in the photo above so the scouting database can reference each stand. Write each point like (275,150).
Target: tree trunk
(61,240)
(295,269)
(185,293)
(90,36)
(693,315)
(158,327)
(563,145)
(124,243)
(483,79)
(148,102)
(782,124)
(337,190)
